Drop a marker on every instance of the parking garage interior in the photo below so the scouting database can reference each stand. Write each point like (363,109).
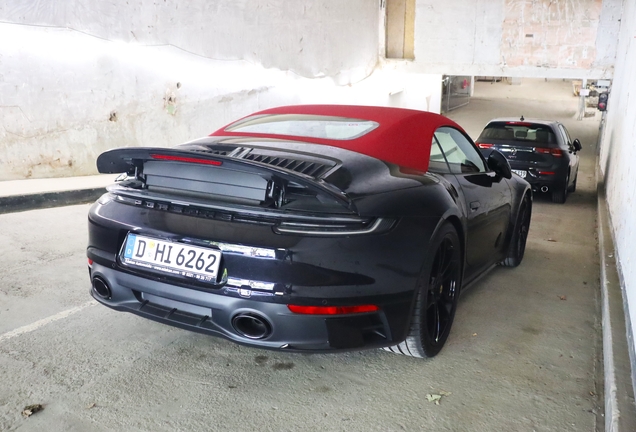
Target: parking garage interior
(547,346)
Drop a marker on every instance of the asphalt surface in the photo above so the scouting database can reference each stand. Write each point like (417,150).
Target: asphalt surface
(523,354)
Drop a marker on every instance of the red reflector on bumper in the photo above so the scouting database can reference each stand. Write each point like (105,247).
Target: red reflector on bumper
(546,172)
(484,145)
(185,159)
(332,310)
(90,262)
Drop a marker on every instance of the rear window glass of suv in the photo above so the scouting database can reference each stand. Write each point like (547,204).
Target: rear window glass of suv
(304,125)
(519,132)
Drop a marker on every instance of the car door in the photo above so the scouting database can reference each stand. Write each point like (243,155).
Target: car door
(573,156)
(487,200)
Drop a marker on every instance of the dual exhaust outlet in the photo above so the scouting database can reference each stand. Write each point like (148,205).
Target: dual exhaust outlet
(248,324)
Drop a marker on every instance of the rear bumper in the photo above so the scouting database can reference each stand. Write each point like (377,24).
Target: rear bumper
(345,270)
(215,313)
(543,183)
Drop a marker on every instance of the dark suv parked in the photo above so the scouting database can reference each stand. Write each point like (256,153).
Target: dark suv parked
(539,151)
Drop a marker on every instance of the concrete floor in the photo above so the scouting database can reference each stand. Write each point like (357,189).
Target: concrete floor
(523,354)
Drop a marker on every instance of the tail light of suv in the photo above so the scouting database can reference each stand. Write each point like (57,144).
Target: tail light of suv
(484,145)
(556,152)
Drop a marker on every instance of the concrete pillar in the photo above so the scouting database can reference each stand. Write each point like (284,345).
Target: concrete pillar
(583,94)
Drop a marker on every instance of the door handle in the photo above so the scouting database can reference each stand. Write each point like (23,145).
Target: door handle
(474,205)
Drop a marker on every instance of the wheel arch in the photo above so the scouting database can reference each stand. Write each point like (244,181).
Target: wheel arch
(454,220)
(526,195)
(457,224)
(441,229)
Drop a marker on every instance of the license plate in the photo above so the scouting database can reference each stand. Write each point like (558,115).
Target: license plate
(520,173)
(172,258)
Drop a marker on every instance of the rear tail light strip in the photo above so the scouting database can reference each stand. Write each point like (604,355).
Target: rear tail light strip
(332,228)
(379,225)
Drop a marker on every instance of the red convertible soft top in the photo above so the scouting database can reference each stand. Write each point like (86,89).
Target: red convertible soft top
(401,136)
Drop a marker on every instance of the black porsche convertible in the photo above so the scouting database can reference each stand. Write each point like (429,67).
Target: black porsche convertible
(310,228)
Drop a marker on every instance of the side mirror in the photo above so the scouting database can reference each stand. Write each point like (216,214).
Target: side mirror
(577,145)
(499,164)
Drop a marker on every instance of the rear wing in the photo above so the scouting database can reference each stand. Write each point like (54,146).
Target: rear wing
(191,171)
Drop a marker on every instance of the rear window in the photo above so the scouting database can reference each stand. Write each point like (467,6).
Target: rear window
(519,132)
(304,125)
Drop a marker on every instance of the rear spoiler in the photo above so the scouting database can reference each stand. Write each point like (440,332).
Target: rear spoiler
(132,160)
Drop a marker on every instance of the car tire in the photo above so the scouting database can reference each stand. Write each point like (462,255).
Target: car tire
(560,195)
(436,299)
(517,247)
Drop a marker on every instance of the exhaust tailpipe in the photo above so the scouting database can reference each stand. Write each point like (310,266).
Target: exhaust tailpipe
(101,288)
(544,188)
(252,325)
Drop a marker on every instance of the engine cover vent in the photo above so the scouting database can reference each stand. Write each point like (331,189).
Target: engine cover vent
(312,169)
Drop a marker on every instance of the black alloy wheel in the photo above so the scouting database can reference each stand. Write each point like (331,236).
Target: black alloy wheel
(560,194)
(517,247)
(437,294)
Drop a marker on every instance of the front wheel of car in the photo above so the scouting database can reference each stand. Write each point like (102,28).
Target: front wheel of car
(517,247)
(437,294)
(560,194)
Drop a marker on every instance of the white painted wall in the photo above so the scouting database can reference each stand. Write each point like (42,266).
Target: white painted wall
(518,38)
(80,77)
(311,38)
(617,156)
